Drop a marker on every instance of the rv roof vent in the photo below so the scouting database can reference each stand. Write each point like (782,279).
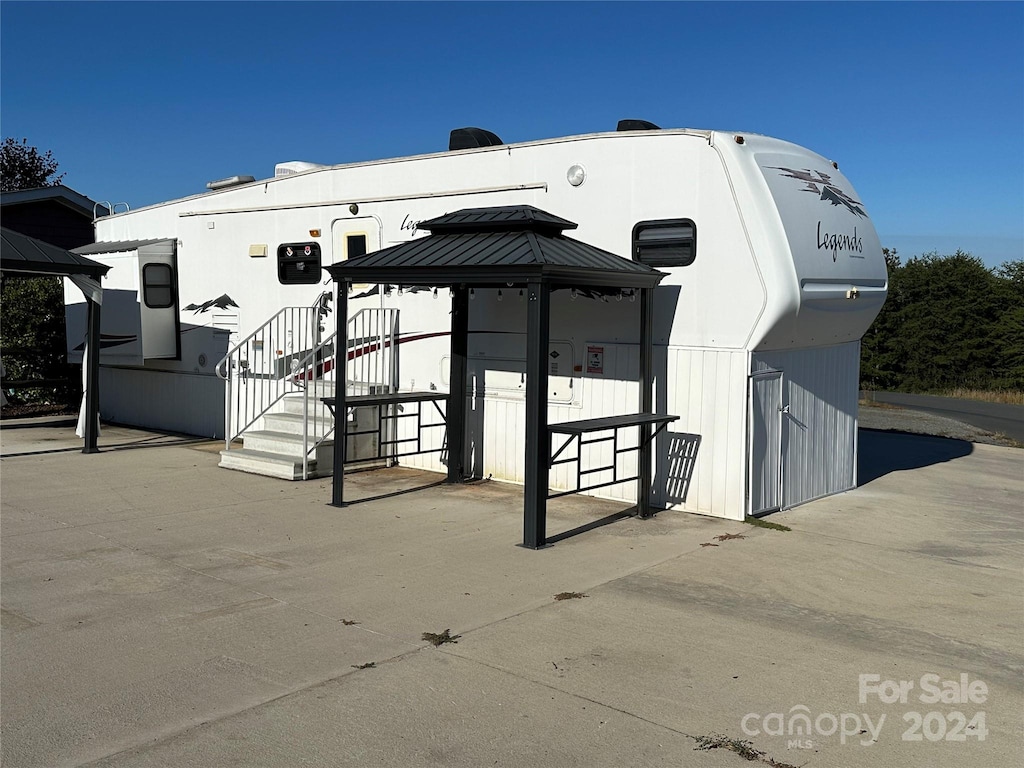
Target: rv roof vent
(294,166)
(636,125)
(471,138)
(231,181)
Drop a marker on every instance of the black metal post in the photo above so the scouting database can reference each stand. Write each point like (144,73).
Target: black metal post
(538,441)
(92,379)
(643,491)
(458,371)
(340,390)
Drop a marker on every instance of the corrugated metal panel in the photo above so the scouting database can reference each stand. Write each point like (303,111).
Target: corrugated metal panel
(699,460)
(190,403)
(820,430)
(19,253)
(497,218)
(490,249)
(118,246)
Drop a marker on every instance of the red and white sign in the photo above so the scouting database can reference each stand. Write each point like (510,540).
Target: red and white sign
(595,360)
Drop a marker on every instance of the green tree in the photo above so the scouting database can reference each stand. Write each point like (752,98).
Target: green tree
(948,322)
(32,334)
(23,167)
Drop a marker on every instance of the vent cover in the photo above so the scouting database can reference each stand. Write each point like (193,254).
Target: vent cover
(471,138)
(636,125)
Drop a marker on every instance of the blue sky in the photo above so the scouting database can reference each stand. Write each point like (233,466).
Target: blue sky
(921,103)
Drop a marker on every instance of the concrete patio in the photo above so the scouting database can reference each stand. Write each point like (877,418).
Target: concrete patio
(160,611)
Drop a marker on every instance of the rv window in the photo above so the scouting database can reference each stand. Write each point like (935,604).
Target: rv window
(355,245)
(298,263)
(665,243)
(157,286)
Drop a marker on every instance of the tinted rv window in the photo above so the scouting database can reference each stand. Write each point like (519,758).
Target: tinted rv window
(298,263)
(355,245)
(665,243)
(157,286)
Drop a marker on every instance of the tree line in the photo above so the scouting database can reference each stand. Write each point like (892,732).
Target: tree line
(949,322)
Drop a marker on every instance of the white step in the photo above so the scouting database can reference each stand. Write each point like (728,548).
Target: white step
(275,465)
(291,423)
(268,441)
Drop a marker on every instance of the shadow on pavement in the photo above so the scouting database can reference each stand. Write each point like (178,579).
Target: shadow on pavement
(881,452)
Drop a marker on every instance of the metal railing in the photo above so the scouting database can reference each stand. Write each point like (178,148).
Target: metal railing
(289,354)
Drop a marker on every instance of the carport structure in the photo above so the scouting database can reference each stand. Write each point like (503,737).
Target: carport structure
(501,247)
(23,256)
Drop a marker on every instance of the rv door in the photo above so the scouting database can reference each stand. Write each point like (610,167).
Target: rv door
(158,301)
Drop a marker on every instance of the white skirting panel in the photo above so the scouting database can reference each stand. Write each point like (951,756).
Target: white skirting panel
(699,460)
(819,437)
(700,464)
(176,402)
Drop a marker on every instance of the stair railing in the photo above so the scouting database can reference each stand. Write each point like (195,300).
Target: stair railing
(372,367)
(260,370)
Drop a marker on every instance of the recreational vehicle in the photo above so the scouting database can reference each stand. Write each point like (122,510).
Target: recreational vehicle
(218,308)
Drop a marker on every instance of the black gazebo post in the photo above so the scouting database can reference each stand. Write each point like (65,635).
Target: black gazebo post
(92,378)
(643,491)
(340,391)
(538,441)
(458,374)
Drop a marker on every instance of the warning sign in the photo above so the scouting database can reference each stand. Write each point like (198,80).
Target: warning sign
(595,360)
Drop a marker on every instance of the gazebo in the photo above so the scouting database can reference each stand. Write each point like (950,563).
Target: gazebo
(518,246)
(22,256)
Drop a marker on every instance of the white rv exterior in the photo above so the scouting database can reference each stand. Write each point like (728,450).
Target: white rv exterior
(757,342)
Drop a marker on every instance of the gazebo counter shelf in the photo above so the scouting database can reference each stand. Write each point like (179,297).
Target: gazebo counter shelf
(575,430)
(389,447)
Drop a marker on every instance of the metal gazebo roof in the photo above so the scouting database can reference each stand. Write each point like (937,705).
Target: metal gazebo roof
(494,246)
(27,256)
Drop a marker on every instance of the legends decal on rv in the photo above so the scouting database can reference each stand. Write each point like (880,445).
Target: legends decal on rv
(841,242)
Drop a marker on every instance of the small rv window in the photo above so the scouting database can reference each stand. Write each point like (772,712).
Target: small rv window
(665,243)
(298,263)
(355,245)
(157,286)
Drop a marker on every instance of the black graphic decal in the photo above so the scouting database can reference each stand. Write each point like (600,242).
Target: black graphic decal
(221,302)
(821,184)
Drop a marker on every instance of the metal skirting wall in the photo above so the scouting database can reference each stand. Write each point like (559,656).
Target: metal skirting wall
(819,430)
(176,402)
(699,461)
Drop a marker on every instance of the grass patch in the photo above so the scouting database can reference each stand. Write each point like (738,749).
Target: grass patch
(437,639)
(1008,396)
(759,523)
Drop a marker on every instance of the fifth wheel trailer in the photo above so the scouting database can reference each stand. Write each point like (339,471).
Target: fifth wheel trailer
(774,274)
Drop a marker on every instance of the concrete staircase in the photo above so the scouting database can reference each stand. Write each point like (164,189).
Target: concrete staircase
(276,449)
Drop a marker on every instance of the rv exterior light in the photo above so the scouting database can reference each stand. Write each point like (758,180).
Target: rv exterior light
(353,209)
(400,291)
(740,140)
(576,175)
(835,165)
(314,233)
(435,291)
(472,293)
(387,290)
(573,294)
(499,294)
